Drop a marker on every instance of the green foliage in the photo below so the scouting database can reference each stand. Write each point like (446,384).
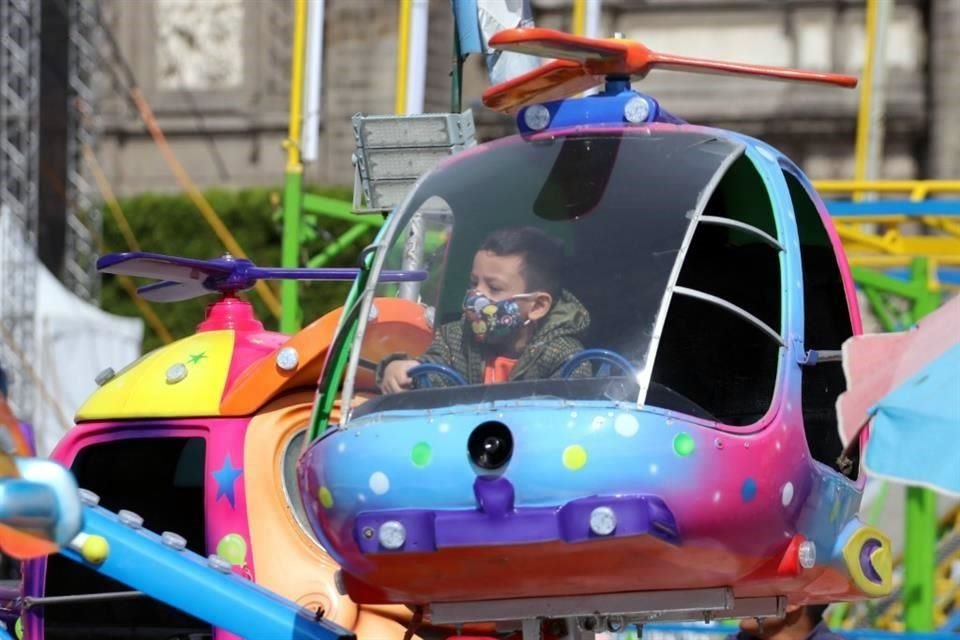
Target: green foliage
(171,224)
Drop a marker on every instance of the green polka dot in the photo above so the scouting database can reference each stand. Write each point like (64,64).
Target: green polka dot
(421,454)
(326,498)
(574,457)
(683,444)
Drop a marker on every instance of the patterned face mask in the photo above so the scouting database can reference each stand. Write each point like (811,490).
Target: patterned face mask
(493,322)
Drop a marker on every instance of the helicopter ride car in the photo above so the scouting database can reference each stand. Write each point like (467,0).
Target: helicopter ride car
(683,461)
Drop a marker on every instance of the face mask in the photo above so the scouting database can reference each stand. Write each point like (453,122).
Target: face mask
(493,322)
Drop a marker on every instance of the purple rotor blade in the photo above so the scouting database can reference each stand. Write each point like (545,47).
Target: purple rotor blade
(331,274)
(162,267)
(171,291)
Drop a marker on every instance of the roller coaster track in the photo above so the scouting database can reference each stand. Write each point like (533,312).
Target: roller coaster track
(909,220)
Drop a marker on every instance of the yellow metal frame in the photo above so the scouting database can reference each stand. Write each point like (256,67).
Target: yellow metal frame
(403,56)
(866,97)
(579,17)
(881,240)
(292,143)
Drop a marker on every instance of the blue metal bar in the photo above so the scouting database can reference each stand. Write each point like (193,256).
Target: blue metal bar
(184,580)
(945,275)
(911,208)
(853,634)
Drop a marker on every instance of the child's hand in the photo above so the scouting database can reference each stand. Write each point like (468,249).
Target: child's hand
(395,378)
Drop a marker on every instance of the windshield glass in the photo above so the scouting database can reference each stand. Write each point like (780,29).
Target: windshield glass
(535,251)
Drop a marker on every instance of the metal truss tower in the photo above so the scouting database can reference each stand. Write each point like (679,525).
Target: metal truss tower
(21,42)
(83,213)
(19,135)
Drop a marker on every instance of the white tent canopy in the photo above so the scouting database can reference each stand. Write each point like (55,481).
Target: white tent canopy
(73,342)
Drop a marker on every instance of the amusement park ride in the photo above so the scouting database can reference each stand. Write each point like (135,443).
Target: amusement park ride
(697,474)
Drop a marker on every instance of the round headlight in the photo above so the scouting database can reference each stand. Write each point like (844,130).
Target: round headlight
(536,117)
(636,110)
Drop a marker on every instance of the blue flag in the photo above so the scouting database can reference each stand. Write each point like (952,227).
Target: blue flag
(468,27)
(915,432)
(478,20)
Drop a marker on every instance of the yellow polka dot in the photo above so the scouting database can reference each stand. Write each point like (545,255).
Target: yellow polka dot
(326,498)
(95,549)
(574,457)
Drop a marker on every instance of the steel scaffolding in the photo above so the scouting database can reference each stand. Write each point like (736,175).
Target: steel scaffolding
(83,213)
(19,137)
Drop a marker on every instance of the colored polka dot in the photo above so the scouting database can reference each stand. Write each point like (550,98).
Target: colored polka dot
(379,483)
(786,494)
(749,490)
(421,454)
(683,444)
(574,457)
(326,498)
(626,425)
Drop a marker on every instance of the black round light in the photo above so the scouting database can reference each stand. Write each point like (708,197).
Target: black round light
(490,445)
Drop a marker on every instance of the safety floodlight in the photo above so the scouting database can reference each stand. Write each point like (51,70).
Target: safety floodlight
(392,152)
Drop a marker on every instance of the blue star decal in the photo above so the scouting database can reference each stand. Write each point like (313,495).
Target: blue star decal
(226,477)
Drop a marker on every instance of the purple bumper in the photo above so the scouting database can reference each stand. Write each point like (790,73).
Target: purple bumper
(496,521)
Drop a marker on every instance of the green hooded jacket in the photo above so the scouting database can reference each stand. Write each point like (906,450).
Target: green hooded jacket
(556,339)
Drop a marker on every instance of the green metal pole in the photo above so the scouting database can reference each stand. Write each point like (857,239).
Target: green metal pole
(290,250)
(919,559)
(920,544)
(456,74)
(293,184)
(345,240)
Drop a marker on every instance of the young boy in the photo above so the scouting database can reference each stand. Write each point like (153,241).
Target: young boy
(797,623)
(518,323)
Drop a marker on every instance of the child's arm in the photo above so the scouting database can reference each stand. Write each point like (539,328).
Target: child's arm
(392,375)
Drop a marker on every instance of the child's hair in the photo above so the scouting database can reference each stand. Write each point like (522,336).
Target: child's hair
(542,256)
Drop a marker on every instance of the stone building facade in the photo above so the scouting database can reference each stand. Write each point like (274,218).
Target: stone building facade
(217,75)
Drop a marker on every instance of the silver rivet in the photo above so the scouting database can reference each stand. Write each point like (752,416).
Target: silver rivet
(173,540)
(89,498)
(368,532)
(216,562)
(603,521)
(718,443)
(288,359)
(131,519)
(807,554)
(176,373)
(392,535)
(105,376)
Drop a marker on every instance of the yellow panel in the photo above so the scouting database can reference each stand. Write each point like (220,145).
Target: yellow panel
(182,379)
(880,558)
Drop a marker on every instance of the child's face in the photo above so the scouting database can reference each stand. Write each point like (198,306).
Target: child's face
(501,277)
(497,277)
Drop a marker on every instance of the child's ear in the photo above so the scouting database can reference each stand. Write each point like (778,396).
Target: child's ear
(540,305)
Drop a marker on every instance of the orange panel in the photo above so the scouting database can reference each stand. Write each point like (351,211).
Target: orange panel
(553,81)
(399,326)
(582,62)
(286,558)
